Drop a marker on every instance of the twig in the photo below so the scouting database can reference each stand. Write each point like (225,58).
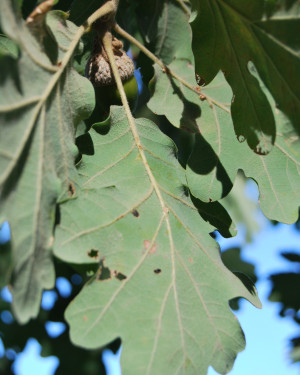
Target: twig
(166,69)
(211,101)
(151,56)
(107,43)
(184,7)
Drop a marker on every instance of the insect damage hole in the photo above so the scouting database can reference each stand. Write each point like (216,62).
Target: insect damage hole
(93,253)
(71,189)
(103,273)
(120,276)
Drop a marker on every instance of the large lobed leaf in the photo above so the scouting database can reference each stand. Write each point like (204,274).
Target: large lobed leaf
(40,106)
(217,156)
(227,35)
(160,283)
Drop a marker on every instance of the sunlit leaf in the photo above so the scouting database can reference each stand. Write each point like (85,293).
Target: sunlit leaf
(157,264)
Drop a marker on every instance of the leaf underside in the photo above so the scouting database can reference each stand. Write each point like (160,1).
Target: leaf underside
(160,283)
(129,211)
(38,111)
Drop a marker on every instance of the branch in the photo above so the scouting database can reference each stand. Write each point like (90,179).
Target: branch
(109,8)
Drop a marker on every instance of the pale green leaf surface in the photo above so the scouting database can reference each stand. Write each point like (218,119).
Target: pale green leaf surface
(226,36)
(161,285)
(39,109)
(174,100)
(173,44)
(216,158)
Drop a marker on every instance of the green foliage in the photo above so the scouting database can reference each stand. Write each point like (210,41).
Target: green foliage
(148,245)
(131,206)
(40,108)
(227,35)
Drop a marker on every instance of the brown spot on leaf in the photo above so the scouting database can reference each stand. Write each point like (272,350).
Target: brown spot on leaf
(135,213)
(202,97)
(85,318)
(147,243)
(71,189)
(157,270)
(191,260)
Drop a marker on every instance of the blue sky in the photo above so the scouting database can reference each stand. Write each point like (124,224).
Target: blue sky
(266,334)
